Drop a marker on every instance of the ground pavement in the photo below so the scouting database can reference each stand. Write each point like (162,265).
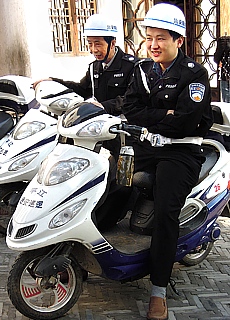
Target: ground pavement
(204,290)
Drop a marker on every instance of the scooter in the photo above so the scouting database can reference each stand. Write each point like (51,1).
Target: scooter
(55,222)
(16,98)
(24,148)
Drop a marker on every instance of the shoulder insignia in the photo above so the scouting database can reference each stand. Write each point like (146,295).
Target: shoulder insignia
(191,65)
(130,58)
(196,91)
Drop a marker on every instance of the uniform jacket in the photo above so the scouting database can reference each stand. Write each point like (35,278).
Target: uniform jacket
(109,85)
(222,55)
(184,88)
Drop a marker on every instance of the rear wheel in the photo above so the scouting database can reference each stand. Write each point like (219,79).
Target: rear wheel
(198,255)
(43,298)
(226,211)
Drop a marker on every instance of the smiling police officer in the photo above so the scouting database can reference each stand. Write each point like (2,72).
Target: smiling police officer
(170,95)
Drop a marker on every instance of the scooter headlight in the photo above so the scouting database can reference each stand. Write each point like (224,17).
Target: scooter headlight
(92,129)
(61,104)
(66,215)
(62,171)
(22,162)
(28,129)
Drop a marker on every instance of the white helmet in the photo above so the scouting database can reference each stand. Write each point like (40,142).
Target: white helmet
(98,26)
(166,16)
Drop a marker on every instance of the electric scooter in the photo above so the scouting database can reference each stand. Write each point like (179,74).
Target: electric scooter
(16,98)
(55,222)
(24,148)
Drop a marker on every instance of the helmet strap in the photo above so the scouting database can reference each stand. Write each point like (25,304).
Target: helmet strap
(108,50)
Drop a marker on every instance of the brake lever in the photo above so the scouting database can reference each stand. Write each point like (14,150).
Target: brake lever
(115,130)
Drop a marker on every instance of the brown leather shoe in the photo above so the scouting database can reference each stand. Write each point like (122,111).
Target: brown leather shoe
(157,309)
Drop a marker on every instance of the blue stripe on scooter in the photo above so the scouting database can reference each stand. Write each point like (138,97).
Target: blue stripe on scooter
(214,202)
(86,187)
(39,144)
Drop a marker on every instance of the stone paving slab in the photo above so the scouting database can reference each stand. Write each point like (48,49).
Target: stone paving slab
(204,290)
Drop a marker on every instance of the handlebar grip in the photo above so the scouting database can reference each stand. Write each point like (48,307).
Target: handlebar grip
(133,129)
(57,94)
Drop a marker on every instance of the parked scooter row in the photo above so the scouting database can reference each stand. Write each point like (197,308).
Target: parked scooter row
(55,222)
(24,148)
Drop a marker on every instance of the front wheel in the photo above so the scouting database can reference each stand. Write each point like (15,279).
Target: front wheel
(199,254)
(43,298)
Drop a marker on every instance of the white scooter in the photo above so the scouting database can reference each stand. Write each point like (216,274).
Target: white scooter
(16,98)
(55,222)
(33,138)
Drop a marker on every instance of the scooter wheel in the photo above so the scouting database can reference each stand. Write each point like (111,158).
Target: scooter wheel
(196,257)
(43,298)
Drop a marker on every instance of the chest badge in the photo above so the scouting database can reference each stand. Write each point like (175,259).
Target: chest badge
(196,91)
(118,75)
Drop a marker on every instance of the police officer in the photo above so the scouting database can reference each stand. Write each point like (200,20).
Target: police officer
(170,95)
(222,58)
(108,76)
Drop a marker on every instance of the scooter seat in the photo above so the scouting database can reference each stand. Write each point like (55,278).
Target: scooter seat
(144,180)
(211,158)
(6,123)
(217,115)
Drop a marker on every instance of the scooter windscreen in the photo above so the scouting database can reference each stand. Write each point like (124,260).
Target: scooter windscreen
(81,112)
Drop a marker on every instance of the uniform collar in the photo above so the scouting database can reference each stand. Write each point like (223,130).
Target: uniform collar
(157,67)
(115,63)
(158,70)
(107,65)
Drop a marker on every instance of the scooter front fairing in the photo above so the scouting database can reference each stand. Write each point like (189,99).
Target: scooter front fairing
(42,206)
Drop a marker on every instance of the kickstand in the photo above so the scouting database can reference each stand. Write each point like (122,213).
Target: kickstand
(173,286)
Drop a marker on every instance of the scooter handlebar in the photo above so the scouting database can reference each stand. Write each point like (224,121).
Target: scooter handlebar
(130,130)
(133,129)
(57,94)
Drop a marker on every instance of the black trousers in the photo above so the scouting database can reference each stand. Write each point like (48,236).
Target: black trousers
(176,171)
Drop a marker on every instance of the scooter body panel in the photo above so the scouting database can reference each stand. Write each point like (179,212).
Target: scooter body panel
(40,203)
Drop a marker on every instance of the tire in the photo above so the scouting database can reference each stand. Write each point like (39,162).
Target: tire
(45,303)
(226,211)
(6,211)
(193,258)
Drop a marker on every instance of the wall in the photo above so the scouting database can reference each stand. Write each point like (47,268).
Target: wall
(43,62)
(14,52)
